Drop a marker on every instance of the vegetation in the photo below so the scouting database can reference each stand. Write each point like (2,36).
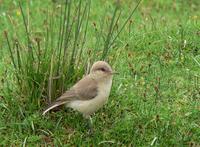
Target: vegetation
(46,46)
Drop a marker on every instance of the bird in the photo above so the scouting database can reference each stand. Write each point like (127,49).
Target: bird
(90,93)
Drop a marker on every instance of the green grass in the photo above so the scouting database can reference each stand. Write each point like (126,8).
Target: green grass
(155,100)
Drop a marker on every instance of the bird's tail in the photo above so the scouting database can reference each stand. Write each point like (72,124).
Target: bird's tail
(53,105)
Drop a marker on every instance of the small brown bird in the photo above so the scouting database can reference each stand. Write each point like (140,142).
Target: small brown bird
(90,93)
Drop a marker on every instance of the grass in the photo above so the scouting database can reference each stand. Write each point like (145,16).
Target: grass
(155,100)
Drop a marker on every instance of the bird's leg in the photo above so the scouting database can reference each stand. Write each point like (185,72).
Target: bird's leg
(90,124)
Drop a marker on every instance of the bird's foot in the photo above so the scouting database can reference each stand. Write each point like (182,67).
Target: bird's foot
(90,127)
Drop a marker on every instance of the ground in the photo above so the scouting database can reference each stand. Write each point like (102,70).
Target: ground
(155,99)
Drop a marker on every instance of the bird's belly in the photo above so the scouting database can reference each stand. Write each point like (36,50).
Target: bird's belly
(87,107)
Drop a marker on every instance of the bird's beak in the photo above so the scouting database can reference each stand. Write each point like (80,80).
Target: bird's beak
(114,72)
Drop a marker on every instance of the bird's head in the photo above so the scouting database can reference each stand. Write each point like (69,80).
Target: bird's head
(101,70)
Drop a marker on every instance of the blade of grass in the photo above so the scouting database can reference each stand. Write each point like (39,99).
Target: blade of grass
(61,36)
(109,35)
(18,56)
(85,32)
(50,80)
(9,47)
(124,24)
(26,30)
(77,31)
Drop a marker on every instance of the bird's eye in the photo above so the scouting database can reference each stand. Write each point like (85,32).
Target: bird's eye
(102,69)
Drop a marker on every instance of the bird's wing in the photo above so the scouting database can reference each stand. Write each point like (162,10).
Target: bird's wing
(85,89)
(63,99)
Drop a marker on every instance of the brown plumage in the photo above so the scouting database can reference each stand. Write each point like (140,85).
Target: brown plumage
(90,93)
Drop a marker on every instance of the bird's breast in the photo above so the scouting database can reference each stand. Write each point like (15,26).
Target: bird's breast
(88,107)
(104,89)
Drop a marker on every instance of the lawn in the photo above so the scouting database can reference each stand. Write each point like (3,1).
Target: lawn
(155,99)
